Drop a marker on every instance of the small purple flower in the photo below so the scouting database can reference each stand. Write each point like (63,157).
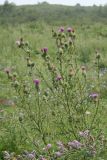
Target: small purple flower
(69,29)
(48,146)
(94,95)
(36,82)
(61,146)
(7,70)
(31,156)
(61,29)
(75,144)
(44,50)
(84,133)
(58,154)
(58,78)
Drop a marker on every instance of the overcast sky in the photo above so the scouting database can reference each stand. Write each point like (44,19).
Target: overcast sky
(66,2)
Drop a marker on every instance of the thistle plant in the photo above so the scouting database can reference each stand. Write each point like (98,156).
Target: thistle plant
(58,102)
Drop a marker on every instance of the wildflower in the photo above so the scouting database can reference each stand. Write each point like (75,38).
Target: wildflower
(47,147)
(83,68)
(58,154)
(7,70)
(94,95)
(44,50)
(20,42)
(31,156)
(69,29)
(84,133)
(58,78)
(75,144)
(36,82)
(61,29)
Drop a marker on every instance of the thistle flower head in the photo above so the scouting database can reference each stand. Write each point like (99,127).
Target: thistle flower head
(83,68)
(61,29)
(69,29)
(47,147)
(94,95)
(75,144)
(7,70)
(58,78)
(44,50)
(36,82)
(20,42)
(58,154)
(84,133)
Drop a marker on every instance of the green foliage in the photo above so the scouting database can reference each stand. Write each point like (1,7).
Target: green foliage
(52,14)
(58,111)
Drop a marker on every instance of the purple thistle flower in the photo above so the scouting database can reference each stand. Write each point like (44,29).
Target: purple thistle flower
(94,95)
(84,133)
(69,29)
(31,156)
(44,50)
(47,147)
(61,29)
(36,82)
(75,144)
(58,78)
(58,154)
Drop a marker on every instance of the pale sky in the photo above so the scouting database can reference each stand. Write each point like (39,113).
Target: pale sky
(65,2)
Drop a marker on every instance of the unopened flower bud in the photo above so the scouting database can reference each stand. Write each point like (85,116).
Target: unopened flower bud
(98,55)
(61,51)
(16,84)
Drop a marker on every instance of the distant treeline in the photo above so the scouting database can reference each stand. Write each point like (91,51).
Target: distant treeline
(52,14)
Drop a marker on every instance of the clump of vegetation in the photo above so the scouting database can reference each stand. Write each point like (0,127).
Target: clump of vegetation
(52,14)
(58,105)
